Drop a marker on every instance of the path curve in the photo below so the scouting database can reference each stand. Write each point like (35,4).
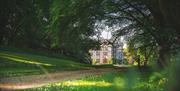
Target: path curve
(33,81)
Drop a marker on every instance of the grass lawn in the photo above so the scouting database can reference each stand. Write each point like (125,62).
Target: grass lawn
(131,80)
(16,63)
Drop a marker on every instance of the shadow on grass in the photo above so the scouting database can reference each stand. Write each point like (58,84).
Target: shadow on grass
(22,60)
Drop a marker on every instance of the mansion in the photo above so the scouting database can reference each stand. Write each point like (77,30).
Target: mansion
(107,54)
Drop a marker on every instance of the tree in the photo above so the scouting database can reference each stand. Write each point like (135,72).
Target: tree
(71,25)
(146,17)
(22,23)
(67,26)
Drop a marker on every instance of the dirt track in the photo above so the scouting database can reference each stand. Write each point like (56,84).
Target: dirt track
(33,81)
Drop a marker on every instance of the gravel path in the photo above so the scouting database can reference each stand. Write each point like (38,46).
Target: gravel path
(33,81)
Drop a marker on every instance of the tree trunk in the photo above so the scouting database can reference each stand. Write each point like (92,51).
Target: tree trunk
(164,56)
(145,62)
(1,39)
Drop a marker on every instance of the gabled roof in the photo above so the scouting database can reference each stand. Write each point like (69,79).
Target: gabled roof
(105,42)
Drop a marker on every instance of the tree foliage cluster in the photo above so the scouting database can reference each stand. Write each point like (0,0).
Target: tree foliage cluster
(150,26)
(66,26)
(56,25)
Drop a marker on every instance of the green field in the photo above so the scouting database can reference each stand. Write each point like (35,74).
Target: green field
(23,63)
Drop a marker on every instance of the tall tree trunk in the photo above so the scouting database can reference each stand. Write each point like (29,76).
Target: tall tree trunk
(164,56)
(1,37)
(145,62)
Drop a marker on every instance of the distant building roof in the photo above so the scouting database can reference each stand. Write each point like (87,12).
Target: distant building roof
(105,42)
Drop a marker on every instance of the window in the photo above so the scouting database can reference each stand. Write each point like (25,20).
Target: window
(98,53)
(98,60)
(105,53)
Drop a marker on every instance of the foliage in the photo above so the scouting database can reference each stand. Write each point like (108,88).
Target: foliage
(140,22)
(67,26)
(94,62)
(60,26)
(23,23)
(71,26)
(109,61)
(174,74)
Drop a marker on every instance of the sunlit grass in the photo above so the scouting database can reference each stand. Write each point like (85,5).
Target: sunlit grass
(85,83)
(24,61)
(119,82)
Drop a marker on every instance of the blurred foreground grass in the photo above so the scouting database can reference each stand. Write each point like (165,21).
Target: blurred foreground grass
(131,80)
